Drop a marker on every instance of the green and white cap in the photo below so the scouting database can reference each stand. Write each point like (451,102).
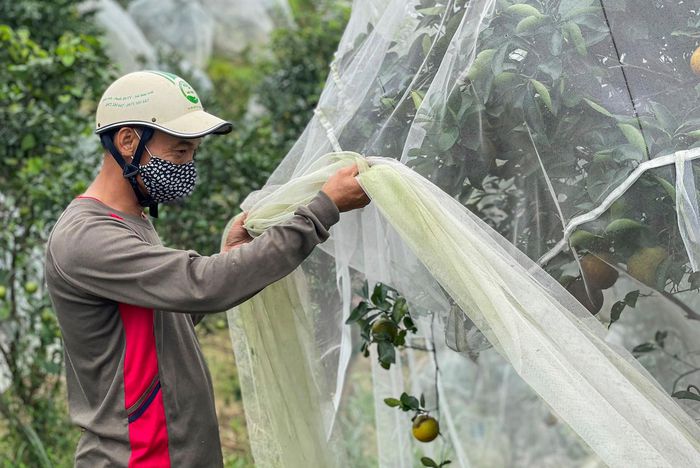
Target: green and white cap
(159,100)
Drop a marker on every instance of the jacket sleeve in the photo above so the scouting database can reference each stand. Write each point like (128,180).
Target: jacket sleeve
(107,259)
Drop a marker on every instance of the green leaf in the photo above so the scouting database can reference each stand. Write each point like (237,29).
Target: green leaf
(392,402)
(668,187)
(68,59)
(388,102)
(505,79)
(544,93)
(634,136)
(644,348)
(686,395)
(408,323)
(694,279)
(573,32)
(386,351)
(523,9)
(582,11)
(616,311)
(631,298)
(598,108)
(410,401)
(379,294)
(399,310)
(660,337)
(552,67)
(481,64)
(555,43)
(664,116)
(694,134)
(432,11)
(28,142)
(417,97)
(529,24)
(358,312)
(584,239)
(447,138)
(428,462)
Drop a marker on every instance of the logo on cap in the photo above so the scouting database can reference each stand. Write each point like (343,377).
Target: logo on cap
(184,86)
(188,92)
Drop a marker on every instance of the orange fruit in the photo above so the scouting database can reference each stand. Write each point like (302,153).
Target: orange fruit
(597,270)
(593,301)
(425,428)
(695,61)
(642,265)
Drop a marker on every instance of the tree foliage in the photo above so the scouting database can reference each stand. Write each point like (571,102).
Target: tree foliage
(52,68)
(285,89)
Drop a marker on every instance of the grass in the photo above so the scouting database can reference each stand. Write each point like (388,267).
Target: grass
(216,346)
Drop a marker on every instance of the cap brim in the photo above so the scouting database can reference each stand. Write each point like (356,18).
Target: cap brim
(194,124)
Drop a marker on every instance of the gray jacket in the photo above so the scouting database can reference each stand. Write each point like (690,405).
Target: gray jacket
(137,382)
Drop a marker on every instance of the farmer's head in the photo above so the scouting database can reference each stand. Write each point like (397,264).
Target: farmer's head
(151,123)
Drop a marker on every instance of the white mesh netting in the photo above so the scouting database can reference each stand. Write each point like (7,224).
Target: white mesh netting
(552,133)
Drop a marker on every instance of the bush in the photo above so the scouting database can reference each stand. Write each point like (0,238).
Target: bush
(287,86)
(48,80)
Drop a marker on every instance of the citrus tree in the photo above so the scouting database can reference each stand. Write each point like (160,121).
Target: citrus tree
(557,102)
(52,68)
(285,88)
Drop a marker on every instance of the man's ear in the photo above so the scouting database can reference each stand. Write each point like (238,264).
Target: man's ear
(126,142)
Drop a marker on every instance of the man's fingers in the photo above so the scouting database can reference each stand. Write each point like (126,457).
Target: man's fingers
(349,171)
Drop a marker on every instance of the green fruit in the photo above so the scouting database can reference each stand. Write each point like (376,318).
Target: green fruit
(591,299)
(523,9)
(383,329)
(3,292)
(597,270)
(30,287)
(643,264)
(47,315)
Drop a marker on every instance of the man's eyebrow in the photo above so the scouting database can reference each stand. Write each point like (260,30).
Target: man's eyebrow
(187,143)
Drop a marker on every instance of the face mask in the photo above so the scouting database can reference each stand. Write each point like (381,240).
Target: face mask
(166,181)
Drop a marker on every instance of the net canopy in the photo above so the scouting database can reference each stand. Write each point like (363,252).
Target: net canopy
(531,166)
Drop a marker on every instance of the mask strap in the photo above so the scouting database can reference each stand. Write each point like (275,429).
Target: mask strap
(131,170)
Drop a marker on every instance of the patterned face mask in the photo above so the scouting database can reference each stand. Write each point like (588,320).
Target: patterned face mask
(168,182)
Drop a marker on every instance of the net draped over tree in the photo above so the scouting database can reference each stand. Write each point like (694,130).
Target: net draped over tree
(533,177)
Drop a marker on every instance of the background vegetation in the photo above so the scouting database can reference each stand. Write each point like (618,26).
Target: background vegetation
(53,69)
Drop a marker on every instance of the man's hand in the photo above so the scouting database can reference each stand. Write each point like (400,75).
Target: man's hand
(345,190)
(237,235)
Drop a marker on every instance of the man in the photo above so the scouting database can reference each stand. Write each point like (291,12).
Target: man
(137,382)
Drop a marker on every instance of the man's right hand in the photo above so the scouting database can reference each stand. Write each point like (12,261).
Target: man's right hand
(237,234)
(344,189)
